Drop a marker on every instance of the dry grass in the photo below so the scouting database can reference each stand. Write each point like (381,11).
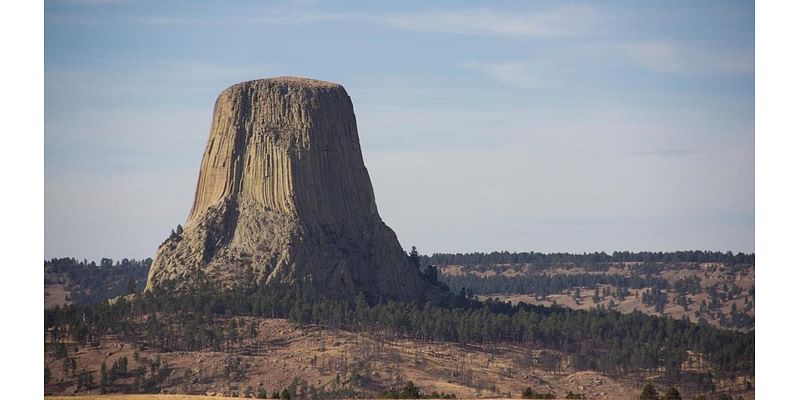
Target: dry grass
(55,295)
(134,397)
(315,355)
(708,274)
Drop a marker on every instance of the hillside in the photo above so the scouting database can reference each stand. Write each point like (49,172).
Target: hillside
(309,359)
(68,281)
(722,295)
(236,342)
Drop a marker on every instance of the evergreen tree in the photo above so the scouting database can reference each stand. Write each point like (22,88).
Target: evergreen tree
(410,391)
(414,256)
(672,394)
(103,378)
(648,392)
(527,393)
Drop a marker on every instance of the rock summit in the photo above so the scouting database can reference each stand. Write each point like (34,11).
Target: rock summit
(283,197)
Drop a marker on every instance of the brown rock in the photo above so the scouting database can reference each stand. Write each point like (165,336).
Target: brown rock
(283,197)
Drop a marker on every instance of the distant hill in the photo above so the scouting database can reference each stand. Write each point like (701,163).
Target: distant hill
(68,281)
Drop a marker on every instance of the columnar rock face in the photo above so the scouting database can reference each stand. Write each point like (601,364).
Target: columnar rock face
(283,197)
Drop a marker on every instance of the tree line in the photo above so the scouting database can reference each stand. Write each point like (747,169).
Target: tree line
(537,258)
(543,285)
(601,340)
(89,282)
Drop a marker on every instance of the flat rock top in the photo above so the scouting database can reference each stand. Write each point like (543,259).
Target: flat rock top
(287,81)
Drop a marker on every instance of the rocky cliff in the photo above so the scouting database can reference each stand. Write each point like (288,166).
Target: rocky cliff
(283,197)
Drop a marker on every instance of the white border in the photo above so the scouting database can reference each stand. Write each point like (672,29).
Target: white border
(22,166)
(777,200)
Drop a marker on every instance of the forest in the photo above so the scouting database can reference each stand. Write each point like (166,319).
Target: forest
(89,282)
(536,258)
(601,340)
(543,285)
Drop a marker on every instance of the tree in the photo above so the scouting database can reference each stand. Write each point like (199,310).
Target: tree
(123,365)
(85,380)
(410,391)
(414,256)
(672,394)
(431,274)
(649,392)
(527,393)
(285,395)
(103,378)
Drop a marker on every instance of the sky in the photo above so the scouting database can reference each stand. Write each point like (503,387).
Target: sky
(522,126)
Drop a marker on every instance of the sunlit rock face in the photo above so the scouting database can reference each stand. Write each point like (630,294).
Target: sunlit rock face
(283,197)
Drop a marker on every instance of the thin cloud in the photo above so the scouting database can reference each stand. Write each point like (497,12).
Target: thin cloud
(560,21)
(85,2)
(690,58)
(513,73)
(555,22)
(663,153)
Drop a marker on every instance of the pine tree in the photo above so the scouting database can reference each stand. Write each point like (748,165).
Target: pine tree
(414,256)
(527,393)
(103,378)
(649,393)
(672,394)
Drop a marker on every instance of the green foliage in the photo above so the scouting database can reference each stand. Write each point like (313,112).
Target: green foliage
(672,394)
(529,393)
(505,257)
(547,284)
(285,395)
(90,283)
(104,378)
(411,391)
(648,392)
(85,381)
(414,256)
(601,340)
(119,368)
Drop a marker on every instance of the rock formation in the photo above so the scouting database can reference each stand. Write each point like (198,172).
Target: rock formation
(283,197)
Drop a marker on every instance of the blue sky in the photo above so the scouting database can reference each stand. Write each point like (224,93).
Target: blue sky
(547,126)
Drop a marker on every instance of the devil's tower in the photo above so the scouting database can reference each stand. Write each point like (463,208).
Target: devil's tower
(283,197)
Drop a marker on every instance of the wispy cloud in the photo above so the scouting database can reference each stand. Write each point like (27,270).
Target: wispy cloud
(663,153)
(512,73)
(690,58)
(85,2)
(480,21)
(560,21)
